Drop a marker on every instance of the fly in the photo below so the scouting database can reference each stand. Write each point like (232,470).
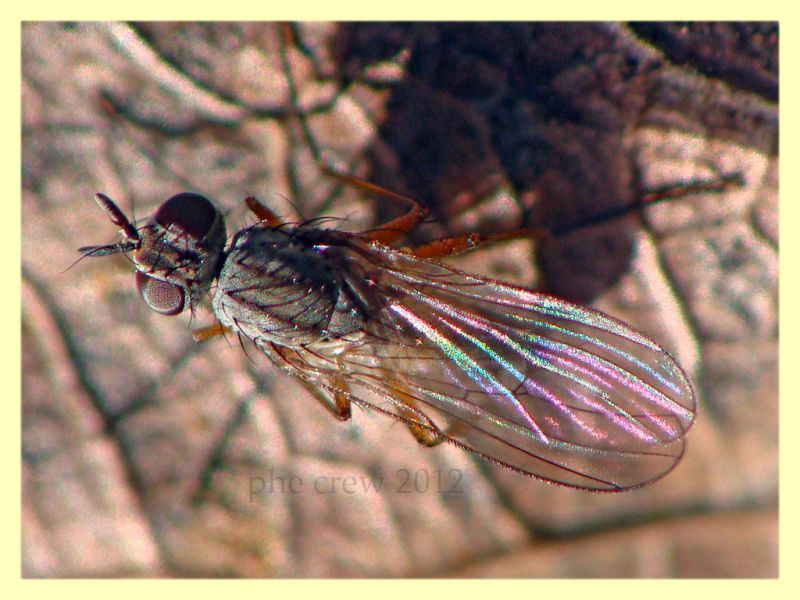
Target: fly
(549,389)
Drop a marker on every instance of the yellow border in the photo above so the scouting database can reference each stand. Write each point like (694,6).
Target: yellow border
(417,10)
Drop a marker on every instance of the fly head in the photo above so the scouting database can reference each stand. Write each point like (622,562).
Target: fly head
(177,253)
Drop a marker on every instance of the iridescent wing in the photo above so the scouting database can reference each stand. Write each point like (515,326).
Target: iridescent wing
(547,388)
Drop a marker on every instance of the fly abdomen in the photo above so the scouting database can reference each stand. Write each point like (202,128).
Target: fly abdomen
(276,286)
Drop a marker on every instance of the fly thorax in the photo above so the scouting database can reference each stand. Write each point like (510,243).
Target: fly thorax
(279,286)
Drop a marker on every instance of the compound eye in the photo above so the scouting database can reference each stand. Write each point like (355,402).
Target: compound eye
(193,213)
(161,296)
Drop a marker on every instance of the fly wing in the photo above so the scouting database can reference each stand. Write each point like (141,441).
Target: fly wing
(545,387)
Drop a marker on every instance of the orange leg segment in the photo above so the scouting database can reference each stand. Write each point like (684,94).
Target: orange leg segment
(206,333)
(462,243)
(454,245)
(263,214)
(395,229)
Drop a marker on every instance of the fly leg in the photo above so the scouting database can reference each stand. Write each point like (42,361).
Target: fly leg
(341,406)
(390,232)
(420,425)
(393,230)
(427,435)
(264,214)
(457,244)
(430,438)
(206,333)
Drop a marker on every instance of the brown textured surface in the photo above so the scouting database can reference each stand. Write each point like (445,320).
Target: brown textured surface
(121,410)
